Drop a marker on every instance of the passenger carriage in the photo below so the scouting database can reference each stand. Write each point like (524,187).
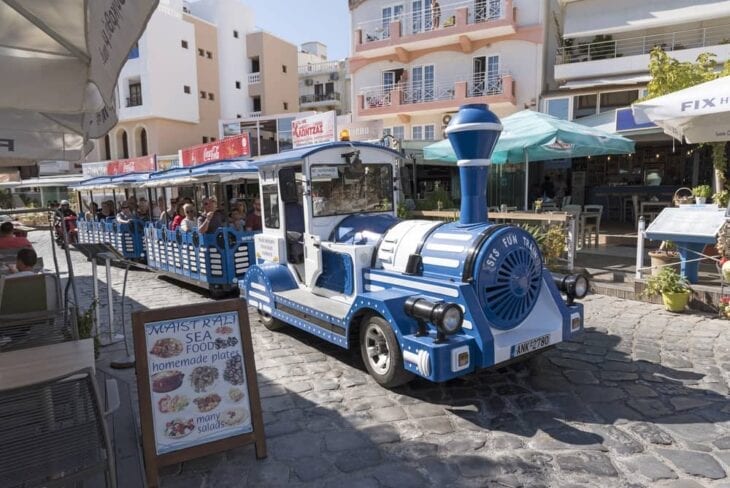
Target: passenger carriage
(416,297)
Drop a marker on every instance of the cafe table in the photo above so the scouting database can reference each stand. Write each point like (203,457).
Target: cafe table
(23,367)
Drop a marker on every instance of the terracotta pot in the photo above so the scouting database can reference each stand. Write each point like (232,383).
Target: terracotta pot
(676,302)
(661,258)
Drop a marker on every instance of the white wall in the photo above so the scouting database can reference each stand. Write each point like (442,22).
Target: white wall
(163,68)
(230,15)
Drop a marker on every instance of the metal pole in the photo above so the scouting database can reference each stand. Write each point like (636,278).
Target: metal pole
(527,180)
(128,360)
(97,312)
(109,297)
(640,247)
(571,241)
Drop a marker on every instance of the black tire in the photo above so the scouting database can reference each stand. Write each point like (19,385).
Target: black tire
(271,323)
(378,344)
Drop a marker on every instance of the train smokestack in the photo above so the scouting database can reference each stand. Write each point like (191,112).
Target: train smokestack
(473,133)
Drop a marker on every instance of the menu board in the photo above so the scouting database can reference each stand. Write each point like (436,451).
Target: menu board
(197,382)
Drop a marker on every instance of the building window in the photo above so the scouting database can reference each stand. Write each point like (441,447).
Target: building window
(203,94)
(417,132)
(620,99)
(255,65)
(238,116)
(212,139)
(208,54)
(201,52)
(135,94)
(134,52)
(256,102)
(283,68)
(205,139)
(286,106)
(235,34)
(584,105)
(107,147)
(238,85)
(399,132)
(186,89)
(211,96)
(123,143)
(184,44)
(558,107)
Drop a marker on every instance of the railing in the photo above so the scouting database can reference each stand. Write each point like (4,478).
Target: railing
(320,97)
(634,46)
(254,78)
(317,68)
(253,115)
(477,86)
(424,20)
(134,100)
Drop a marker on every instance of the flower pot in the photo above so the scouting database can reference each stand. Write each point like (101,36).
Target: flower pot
(675,302)
(700,200)
(659,259)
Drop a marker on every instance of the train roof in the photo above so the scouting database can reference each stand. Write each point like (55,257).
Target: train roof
(303,152)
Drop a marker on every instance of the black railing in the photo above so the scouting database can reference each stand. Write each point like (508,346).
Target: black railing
(134,101)
(322,97)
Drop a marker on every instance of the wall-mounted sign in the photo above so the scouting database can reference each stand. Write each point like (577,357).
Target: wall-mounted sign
(369,130)
(228,148)
(167,162)
(625,121)
(197,384)
(315,129)
(143,164)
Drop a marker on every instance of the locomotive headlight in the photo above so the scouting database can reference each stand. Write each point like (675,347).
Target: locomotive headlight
(574,286)
(448,317)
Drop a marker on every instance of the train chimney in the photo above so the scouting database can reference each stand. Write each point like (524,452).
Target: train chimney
(473,133)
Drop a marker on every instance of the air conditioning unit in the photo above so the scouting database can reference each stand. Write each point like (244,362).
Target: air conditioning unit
(446,119)
(309,82)
(334,76)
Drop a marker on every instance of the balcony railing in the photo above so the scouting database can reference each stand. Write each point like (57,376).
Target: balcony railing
(320,97)
(253,115)
(423,20)
(477,85)
(134,101)
(319,68)
(633,46)
(254,78)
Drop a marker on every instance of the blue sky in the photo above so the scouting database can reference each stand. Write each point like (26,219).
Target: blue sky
(299,21)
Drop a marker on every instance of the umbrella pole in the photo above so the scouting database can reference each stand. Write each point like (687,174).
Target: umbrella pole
(527,181)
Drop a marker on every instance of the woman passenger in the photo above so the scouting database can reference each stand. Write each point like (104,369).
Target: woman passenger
(190,222)
(179,216)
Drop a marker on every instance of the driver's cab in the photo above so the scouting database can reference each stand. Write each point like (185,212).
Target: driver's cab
(321,212)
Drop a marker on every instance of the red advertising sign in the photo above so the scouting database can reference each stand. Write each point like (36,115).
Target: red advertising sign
(230,147)
(143,164)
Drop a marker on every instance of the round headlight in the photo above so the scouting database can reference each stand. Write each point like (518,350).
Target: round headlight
(448,317)
(581,286)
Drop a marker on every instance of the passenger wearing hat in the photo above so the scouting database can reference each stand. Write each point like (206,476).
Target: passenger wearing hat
(125,214)
(8,240)
(211,219)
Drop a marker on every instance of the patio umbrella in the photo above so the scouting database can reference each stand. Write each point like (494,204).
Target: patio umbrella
(700,113)
(60,63)
(535,136)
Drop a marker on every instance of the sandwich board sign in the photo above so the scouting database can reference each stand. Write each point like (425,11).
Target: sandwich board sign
(197,386)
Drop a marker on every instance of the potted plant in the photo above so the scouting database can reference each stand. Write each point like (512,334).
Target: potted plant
(664,257)
(721,198)
(673,288)
(701,193)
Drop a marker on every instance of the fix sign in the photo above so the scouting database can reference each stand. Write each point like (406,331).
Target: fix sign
(316,129)
(228,148)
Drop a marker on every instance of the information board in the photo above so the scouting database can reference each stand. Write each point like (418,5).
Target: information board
(197,382)
(687,223)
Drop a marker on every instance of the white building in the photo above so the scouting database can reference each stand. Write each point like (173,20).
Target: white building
(414,68)
(324,84)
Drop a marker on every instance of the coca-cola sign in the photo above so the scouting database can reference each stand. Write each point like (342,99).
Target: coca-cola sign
(143,164)
(228,148)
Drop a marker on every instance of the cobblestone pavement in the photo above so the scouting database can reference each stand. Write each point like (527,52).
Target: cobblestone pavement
(639,400)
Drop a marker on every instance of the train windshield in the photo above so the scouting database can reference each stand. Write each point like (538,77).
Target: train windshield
(341,190)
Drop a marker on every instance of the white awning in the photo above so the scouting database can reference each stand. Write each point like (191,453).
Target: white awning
(60,181)
(589,18)
(607,81)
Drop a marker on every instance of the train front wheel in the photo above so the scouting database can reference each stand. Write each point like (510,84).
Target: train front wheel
(270,322)
(381,354)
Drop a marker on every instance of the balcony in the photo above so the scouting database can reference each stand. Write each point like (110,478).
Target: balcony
(387,100)
(319,68)
(134,100)
(631,55)
(319,100)
(460,22)
(254,78)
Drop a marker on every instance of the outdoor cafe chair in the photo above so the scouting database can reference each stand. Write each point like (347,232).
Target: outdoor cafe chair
(54,433)
(591,229)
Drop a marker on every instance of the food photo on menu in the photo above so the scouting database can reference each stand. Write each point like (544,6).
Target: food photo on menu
(197,381)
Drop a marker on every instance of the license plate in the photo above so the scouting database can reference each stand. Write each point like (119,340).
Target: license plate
(531,345)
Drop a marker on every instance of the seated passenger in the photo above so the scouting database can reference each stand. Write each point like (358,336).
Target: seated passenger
(189,223)
(253,220)
(143,210)
(8,240)
(211,219)
(236,220)
(179,216)
(125,214)
(24,263)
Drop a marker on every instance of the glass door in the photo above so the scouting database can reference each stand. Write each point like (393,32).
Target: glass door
(478,76)
(494,80)
(390,14)
(423,83)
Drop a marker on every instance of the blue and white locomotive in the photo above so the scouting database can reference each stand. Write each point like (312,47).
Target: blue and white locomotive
(417,297)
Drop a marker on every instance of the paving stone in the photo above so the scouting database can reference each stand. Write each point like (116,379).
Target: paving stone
(690,427)
(581,377)
(639,391)
(650,433)
(344,441)
(435,425)
(349,462)
(311,468)
(440,472)
(694,463)
(381,434)
(617,440)
(683,483)
(590,463)
(388,414)
(568,363)
(398,476)
(599,394)
(464,444)
(618,376)
(649,408)
(295,446)
(425,410)
(650,467)
(722,443)
(688,403)
(351,482)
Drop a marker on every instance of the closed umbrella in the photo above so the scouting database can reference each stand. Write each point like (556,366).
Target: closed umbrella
(60,62)
(535,136)
(700,113)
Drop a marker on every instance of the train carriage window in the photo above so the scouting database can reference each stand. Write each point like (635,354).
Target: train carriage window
(270,200)
(342,190)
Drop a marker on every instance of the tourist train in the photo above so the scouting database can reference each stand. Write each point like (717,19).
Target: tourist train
(423,298)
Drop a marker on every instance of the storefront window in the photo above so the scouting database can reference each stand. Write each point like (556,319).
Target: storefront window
(614,100)
(284,133)
(558,107)
(341,190)
(584,106)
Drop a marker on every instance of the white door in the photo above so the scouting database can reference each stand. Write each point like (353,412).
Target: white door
(422,83)
(312,259)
